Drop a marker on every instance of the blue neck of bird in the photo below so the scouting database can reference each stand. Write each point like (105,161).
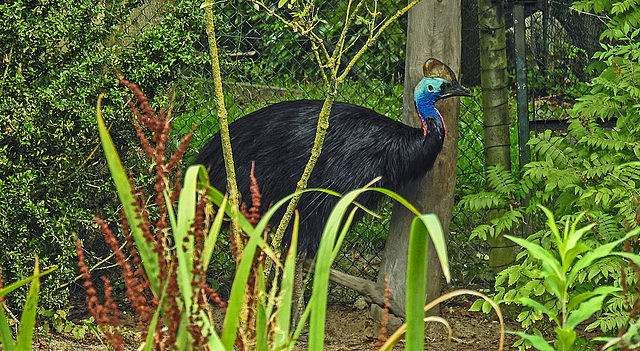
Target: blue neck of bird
(430,116)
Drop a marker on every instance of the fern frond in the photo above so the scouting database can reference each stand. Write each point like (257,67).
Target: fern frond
(551,148)
(628,174)
(483,201)
(607,322)
(596,167)
(607,141)
(506,222)
(501,180)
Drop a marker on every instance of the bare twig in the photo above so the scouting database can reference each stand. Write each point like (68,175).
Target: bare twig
(334,82)
(93,268)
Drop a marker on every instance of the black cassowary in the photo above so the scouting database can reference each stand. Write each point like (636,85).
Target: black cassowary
(360,145)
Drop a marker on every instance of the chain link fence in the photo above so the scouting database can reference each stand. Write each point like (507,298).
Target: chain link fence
(263,63)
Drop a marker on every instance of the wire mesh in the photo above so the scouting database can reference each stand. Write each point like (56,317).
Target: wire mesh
(263,62)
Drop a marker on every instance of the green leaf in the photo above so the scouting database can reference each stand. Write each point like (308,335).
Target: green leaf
(566,338)
(597,253)
(262,316)
(24,338)
(602,290)
(11,287)
(539,253)
(416,285)
(586,309)
(5,332)
(477,305)
(525,301)
(551,222)
(536,341)
(282,317)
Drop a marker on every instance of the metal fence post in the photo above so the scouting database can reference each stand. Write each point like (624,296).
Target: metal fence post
(521,85)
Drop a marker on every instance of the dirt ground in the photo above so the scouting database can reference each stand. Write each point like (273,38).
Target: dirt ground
(349,328)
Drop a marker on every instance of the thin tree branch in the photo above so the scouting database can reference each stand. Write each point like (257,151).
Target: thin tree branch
(323,120)
(373,39)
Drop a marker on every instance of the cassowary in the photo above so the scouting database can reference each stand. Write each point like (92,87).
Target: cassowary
(360,145)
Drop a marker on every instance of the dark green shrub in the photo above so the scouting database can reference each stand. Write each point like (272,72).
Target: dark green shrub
(56,59)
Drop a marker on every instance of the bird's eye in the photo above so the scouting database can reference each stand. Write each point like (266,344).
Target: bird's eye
(430,87)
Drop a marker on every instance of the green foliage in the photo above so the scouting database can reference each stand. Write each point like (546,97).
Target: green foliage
(56,57)
(590,170)
(561,267)
(562,75)
(56,321)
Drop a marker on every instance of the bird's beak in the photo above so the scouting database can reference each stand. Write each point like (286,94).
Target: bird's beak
(453,89)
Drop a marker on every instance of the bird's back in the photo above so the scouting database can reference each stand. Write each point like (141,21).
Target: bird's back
(360,145)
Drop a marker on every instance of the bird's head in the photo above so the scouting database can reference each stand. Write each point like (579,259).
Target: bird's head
(428,91)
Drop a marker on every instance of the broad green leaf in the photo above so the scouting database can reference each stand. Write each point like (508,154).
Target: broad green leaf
(584,311)
(572,253)
(597,253)
(477,305)
(635,258)
(539,253)
(416,285)
(574,235)
(566,338)
(551,222)
(602,290)
(525,301)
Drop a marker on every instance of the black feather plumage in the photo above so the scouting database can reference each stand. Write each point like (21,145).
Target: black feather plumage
(360,145)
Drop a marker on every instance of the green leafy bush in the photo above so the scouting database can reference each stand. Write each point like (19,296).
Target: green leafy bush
(56,58)
(590,170)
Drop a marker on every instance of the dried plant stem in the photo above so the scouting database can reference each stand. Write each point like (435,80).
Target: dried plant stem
(98,265)
(232,186)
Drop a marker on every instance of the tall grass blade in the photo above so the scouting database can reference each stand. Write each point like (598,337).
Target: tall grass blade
(212,237)
(148,345)
(28,318)
(11,287)
(417,283)
(6,337)
(184,245)
(243,268)
(262,337)
(318,302)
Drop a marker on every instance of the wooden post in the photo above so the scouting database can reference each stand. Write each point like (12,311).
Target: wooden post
(434,31)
